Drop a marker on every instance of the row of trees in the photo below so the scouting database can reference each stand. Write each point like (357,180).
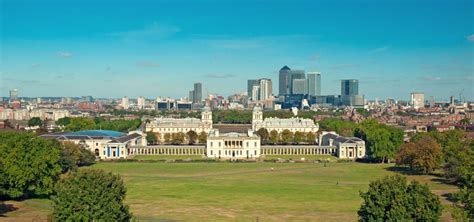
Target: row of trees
(452,151)
(285,137)
(191,137)
(82,123)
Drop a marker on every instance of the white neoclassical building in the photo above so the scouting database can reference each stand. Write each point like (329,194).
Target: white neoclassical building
(233,145)
(162,126)
(294,124)
(346,147)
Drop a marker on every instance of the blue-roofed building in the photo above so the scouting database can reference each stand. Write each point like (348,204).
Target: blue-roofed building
(105,144)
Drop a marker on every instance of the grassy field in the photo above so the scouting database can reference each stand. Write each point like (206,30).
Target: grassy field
(167,157)
(246,191)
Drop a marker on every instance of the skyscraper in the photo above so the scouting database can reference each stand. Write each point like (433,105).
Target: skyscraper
(197,97)
(250,84)
(284,79)
(265,89)
(349,87)
(141,102)
(314,83)
(125,102)
(296,74)
(13,94)
(300,86)
(191,95)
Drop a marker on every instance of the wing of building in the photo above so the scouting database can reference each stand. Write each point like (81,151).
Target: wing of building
(233,145)
(294,124)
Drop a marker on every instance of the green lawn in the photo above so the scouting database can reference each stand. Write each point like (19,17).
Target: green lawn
(244,191)
(299,157)
(167,157)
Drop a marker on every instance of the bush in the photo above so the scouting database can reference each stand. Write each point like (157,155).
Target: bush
(90,195)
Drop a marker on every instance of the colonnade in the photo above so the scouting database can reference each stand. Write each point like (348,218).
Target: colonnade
(313,150)
(167,150)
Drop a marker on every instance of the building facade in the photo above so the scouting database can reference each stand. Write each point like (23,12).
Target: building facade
(277,124)
(314,83)
(284,77)
(346,147)
(233,145)
(197,97)
(417,100)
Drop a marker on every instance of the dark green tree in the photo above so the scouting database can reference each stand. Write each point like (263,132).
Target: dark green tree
(392,199)
(286,136)
(202,137)
(30,164)
(151,138)
(192,137)
(73,156)
(274,136)
(382,141)
(63,121)
(81,123)
(35,121)
(263,133)
(177,138)
(298,137)
(90,195)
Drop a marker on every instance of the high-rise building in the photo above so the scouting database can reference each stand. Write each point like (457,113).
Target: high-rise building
(432,102)
(87,99)
(125,103)
(452,101)
(191,95)
(141,102)
(300,86)
(417,100)
(296,74)
(284,79)
(255,92)
(314,83)
(13,94)
(349,87)
(250,84)
(69,100)
(265,89)
(197,96)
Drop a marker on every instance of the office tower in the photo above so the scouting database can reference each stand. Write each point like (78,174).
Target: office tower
(125,103)
(87,99)
(265,89)
(296,74)
(284,83)
(255,92)
(191,95)
(250,84)
(432,102)
(141,102)
(452,102)
(417,100)
(314,83)
(13,94)
(38,100)
(349,87)
(197,96)
(300,86)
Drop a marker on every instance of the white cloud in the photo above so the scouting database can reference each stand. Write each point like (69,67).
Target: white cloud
(64,54)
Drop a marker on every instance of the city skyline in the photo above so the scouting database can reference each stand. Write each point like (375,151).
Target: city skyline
(142,49)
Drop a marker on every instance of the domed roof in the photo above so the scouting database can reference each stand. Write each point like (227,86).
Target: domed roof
(285,68)
(206,109)
(257,108)
(106,133)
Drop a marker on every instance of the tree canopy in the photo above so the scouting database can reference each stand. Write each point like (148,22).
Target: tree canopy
(90,195)
(393,199)
(35,121)
(424,155)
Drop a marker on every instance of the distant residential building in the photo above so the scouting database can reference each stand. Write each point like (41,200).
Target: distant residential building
(314,83)
(13,94)
(284,81)
(125,103)
(417,100)
(197,96)
(141,102)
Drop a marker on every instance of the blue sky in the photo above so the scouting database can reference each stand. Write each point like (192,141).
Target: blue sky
(159,48)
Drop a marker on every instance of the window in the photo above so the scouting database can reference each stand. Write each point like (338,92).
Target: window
(211,152)
(96,144)
(255,152)
(211,144)
(247,144)
(255,144)
(219,144)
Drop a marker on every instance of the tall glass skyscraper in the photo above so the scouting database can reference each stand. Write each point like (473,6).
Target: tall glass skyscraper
(349,87)
(250,84)
(284,81)
(197,97)
(314,83)
(296,74)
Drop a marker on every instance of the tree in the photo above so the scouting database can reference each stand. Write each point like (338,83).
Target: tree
(310,138)
(274,136)
(90,195)
(298,137)
(423,155)
(177,138)
(167,137)
(63,121)
(35,121)
(344,128)
(192,137)
(202,137)
(382,141)
(263,133)
(151,138)
(80,123)
(286,136)
(392,199)
(73,156)
(30,164)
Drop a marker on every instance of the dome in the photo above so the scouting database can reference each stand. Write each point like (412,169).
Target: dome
(257,108)
(105,133)
(206,109)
